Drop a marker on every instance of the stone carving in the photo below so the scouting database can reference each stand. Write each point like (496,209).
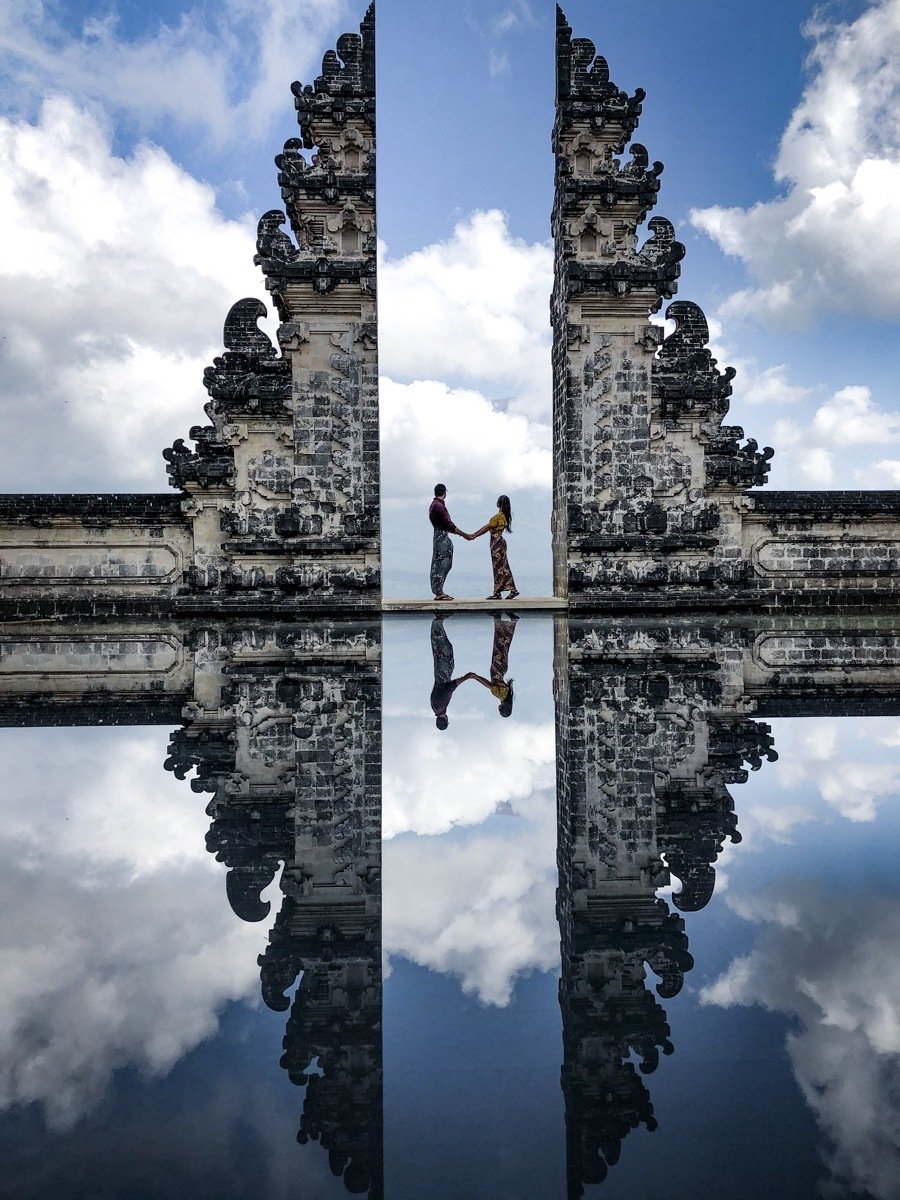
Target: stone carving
(300,529)
(287,742)
(650,736)
(646,483)
(651,502)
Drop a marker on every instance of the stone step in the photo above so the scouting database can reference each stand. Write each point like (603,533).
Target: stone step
(520,604)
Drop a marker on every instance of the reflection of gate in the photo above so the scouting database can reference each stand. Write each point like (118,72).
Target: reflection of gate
(282,727)
(655,722)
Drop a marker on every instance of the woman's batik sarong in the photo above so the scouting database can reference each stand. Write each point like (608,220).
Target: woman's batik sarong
(503,580)
(441,560)
(503,636)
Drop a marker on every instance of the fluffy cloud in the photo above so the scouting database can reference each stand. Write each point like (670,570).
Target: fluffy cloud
(116,928)
(827,958)
(478,905)
(838,763)
(457,433)
(770,386)
(432,784)
(222,68)
(832,242)
(471,310)
(115,288)
(814,453)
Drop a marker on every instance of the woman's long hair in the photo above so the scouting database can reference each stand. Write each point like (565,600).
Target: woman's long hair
(503,505)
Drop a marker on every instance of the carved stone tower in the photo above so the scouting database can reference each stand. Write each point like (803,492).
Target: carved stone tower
(278,504)
(285,483)
(647,481)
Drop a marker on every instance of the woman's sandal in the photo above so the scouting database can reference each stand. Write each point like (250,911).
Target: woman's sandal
(494,596)
(512,595)
(443,596)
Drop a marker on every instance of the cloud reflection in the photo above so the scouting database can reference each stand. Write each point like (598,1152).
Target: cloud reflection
(828,958)
(117,946)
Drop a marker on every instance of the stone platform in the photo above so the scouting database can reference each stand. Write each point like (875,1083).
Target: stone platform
(520,604)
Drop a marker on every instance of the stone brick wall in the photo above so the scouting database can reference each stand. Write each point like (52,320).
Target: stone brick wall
(278,504)
(651,502)
(823,549)
(91,555)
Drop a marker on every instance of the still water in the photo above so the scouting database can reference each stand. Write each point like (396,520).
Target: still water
(475,907)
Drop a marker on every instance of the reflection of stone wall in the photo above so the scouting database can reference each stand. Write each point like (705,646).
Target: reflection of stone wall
(286,735)
(655,723)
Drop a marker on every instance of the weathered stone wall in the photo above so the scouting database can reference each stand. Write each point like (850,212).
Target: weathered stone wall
(647,480)
(823,549)
(651,507)
(278,505)
(284,484)
(91,555)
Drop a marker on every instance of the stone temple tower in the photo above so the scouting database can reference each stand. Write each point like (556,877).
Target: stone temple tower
(648,483)
(286,480)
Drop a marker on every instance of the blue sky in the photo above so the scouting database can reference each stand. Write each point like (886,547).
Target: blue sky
(136,146)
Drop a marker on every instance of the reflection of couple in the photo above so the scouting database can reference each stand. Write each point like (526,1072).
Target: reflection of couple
(442,555)
(444,683)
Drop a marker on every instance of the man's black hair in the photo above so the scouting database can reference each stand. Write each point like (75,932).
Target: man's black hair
(440,489)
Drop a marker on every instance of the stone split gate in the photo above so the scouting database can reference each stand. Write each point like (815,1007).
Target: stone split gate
(276,504)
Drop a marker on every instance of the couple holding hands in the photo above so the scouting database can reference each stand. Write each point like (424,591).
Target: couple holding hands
(442,556)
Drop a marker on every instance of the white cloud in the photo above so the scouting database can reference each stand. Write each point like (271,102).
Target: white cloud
(431,431)
(829,959)
(473,310)
(116,928)
(832,242)
(851,418)
(116,286)
(223,68)
(809,451)
(433,783)
(770,386)
(116,280)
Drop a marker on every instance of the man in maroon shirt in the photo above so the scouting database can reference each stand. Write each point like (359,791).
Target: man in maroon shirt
(442,554)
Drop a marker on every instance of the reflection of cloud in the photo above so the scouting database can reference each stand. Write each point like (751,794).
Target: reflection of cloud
(433,782)
(479,905)
(118,943)
(831,959)
(836,761)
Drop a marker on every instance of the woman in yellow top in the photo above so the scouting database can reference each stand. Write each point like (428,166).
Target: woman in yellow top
(500,523)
